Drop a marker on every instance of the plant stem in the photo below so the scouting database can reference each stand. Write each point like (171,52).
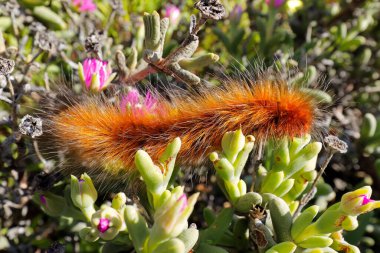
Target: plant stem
(308,196)
(38,153)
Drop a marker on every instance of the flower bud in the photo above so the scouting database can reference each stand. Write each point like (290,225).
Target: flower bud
(108,222)
(95,75)
(51,204)
(171,217)
(83,192)
(358,202)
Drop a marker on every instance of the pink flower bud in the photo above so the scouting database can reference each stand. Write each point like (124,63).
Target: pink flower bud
(95,74)
(85,5)
(359,201)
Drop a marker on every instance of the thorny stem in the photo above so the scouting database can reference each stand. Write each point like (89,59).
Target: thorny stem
(38,153)
(256,162)
(308,196)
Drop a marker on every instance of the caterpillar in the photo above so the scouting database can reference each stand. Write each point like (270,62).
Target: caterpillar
(103,137)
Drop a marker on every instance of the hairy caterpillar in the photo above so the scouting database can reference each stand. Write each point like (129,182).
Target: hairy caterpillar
(103,138)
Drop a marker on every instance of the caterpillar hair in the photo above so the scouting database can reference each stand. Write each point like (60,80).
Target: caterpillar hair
(101,138)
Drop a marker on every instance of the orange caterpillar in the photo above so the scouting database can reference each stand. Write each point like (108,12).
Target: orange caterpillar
(101,137)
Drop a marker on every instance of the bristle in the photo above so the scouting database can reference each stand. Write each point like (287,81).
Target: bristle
(102,138)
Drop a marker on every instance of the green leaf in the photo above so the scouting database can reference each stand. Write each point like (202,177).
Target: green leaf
(213,234)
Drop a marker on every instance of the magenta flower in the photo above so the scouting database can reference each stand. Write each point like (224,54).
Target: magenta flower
(358,202)
(95,74)
(84,5)
(173,13)
(107,223)
(104,224)
(275,3)
(136,103)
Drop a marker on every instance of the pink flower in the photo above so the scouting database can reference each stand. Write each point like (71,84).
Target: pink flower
(84,5)
(172,12)
(366,200)
(134,101)
(95,74)
(358,201)
(103,225)
(275,3)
